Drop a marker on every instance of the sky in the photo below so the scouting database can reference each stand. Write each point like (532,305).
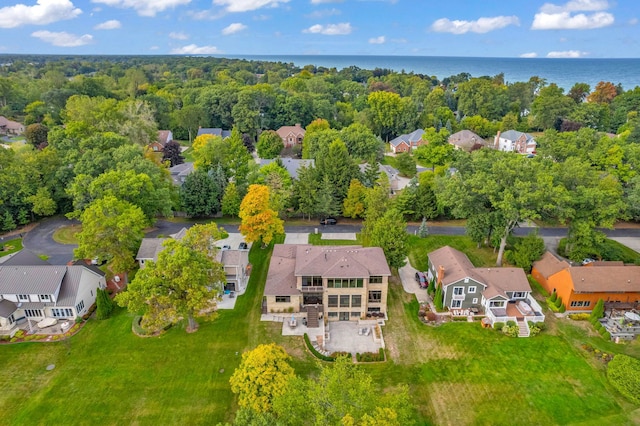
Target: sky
(480,28)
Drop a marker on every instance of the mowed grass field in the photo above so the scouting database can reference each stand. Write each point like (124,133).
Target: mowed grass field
(458,373)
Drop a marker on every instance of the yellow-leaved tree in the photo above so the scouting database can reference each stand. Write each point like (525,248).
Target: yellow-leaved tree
(259,220)
(262,375)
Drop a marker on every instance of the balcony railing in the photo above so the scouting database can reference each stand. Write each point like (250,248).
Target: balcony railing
(312,288)
(458,297)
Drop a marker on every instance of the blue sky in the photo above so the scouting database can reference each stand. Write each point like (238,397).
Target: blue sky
(486,28)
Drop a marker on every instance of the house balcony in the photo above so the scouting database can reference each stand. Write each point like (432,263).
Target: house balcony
(458,297)
(312,289)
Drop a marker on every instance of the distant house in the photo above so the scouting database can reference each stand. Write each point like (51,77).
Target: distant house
(164,137)
(214,131)
(30,293)
(580,287)
(180,172)
(502,294)
(515,141)
(235,263)
(291,135)
(466,140)
(150,248)
(343,283)
(291,164)
(408,142)
(9,127)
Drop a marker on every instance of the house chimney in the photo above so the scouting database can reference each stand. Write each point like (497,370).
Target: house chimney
(298,125)
(440,275)
(496,141)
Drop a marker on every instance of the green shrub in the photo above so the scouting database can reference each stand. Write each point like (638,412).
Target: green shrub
(624,374)
(554,297)
(511,331)
(598,310)
(458,318)
(558,302)
(104,304)
(498,326)
(314,351)
(579,317)
(606,335)
(371,356)
(137,328)
(598,326)
(511,323)
(562,309)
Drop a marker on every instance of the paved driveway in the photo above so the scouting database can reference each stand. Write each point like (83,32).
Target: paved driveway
(408,277)
(40,241)
(296,238)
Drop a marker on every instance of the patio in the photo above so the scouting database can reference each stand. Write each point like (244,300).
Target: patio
(348,336)
(622,324)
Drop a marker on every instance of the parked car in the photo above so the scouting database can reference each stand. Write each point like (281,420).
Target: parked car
(243,246)
(328,221)
(226,247)
(421,279)
(587,261)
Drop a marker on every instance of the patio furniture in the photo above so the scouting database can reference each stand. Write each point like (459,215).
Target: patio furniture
(47,322)
(293,323)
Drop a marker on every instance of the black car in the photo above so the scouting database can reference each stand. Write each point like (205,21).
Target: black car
(328,221)
(242,246)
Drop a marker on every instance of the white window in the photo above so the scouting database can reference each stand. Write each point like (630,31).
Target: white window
(496,304)
(45,297)
(472,289)
(458,291)
(23,297)
(466,280)
(456,303)
(475,301)
(519,294)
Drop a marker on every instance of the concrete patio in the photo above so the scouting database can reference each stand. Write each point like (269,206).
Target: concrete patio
(344,336)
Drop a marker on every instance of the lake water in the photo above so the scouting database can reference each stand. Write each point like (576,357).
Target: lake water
(564,72)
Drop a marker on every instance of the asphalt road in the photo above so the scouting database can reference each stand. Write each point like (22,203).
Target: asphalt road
(40,239)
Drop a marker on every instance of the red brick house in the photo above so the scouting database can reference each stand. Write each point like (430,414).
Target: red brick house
(291,135)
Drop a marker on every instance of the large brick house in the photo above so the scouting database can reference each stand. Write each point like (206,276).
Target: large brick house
(291,135)
(408,142)
(343,283)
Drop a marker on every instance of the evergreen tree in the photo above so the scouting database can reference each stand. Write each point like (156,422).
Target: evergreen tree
(8,224)
(423,231)
(231,200)
(438,298)
(371,173)
(104,304)
(327,204)
(598,310)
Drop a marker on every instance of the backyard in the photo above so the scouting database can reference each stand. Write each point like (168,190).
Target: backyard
(458,373)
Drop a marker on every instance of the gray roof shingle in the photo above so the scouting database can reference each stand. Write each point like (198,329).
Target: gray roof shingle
(45,279)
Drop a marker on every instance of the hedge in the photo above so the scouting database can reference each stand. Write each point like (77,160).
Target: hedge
(315,352)
(498,326)
(624,374)
(579,317)
(370,356)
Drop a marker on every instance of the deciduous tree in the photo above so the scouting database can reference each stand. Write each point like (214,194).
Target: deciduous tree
(112,230)
(269,144)
(389,233)
(180,285)
(263,374)
(259,221)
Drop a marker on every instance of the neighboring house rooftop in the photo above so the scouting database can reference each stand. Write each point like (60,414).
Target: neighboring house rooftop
(180,172)
(45,279)
(150,248)
(466,140)
(214,131)
(594,279)
(455,263)
(501,280)
(514,135)
(549,265)
(291,164)
(409,139)
(14,126)
(164,137)
(7,307)
(284,131)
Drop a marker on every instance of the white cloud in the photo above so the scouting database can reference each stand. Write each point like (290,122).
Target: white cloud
(343,28)
(247,5)
(178,35)
(563,17)
(633,21)
(42,13)
(482,25)
(205,15)
(144,7)
(529,55)
(112,24)
(325,13)
(377,40)
(567,54)
(63,39)
(576,6)
(236,27)
(154,48)
(325,1)
(193,49)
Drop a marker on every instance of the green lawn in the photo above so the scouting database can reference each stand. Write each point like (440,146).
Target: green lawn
(11,246)
(316,240)
(457,373)
(67,234)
